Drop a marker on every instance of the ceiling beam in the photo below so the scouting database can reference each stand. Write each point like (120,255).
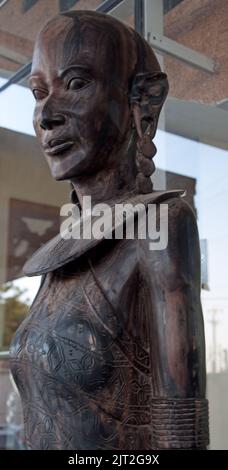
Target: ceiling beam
(13,55)
(108,5)
(182,53)
(17,77)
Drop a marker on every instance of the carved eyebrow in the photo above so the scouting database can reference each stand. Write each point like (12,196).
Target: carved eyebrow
(62,73)
(35,76)
(79,68)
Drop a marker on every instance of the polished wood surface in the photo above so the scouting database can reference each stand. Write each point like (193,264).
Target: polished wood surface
(112,353)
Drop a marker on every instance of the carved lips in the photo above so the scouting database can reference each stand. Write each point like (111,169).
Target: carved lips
(56,146)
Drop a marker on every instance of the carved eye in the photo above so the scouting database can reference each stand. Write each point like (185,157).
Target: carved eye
(77,83)
(155,90)
(39,94)
(156,94)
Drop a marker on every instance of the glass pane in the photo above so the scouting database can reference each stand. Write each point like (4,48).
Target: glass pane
(194,151)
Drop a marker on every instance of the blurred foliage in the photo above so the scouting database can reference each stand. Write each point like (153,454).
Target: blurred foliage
(13,310)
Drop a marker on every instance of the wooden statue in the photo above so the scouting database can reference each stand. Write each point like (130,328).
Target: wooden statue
(112,353)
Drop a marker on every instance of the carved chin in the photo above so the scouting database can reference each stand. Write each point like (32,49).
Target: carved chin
(64,167)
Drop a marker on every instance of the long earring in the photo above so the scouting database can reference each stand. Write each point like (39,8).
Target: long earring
(146,150)
(146,145)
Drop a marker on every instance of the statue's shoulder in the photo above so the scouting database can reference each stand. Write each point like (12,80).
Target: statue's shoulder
(60,251)
(179,206)
(182,218)
(159,197)
(176,262)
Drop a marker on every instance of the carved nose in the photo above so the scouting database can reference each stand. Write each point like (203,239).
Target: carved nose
(49,122)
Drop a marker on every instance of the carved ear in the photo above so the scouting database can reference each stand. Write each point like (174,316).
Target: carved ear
(147,96)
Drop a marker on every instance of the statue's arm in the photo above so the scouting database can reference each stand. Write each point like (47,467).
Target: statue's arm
(177,336)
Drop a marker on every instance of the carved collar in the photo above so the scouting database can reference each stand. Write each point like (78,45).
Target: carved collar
(58,251)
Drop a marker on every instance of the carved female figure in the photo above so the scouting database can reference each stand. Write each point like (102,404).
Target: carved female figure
(111,355)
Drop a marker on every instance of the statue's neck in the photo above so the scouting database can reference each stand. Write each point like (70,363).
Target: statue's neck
(104,186)
(112,182)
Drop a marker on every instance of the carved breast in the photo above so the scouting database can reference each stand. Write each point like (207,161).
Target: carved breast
(81,366)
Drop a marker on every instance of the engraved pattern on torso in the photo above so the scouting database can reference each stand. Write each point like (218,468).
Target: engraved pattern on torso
(83,375)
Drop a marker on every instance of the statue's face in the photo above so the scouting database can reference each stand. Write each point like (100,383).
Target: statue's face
(82,115)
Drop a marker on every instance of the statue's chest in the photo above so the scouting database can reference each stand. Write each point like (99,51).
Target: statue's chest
(84,325)
(64,336)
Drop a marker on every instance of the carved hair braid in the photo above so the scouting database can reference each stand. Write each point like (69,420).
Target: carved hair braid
(145,164)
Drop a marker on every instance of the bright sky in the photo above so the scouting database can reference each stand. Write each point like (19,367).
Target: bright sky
(209,165)
(16,108)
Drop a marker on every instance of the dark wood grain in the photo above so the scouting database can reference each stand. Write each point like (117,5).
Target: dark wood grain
(112,353)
